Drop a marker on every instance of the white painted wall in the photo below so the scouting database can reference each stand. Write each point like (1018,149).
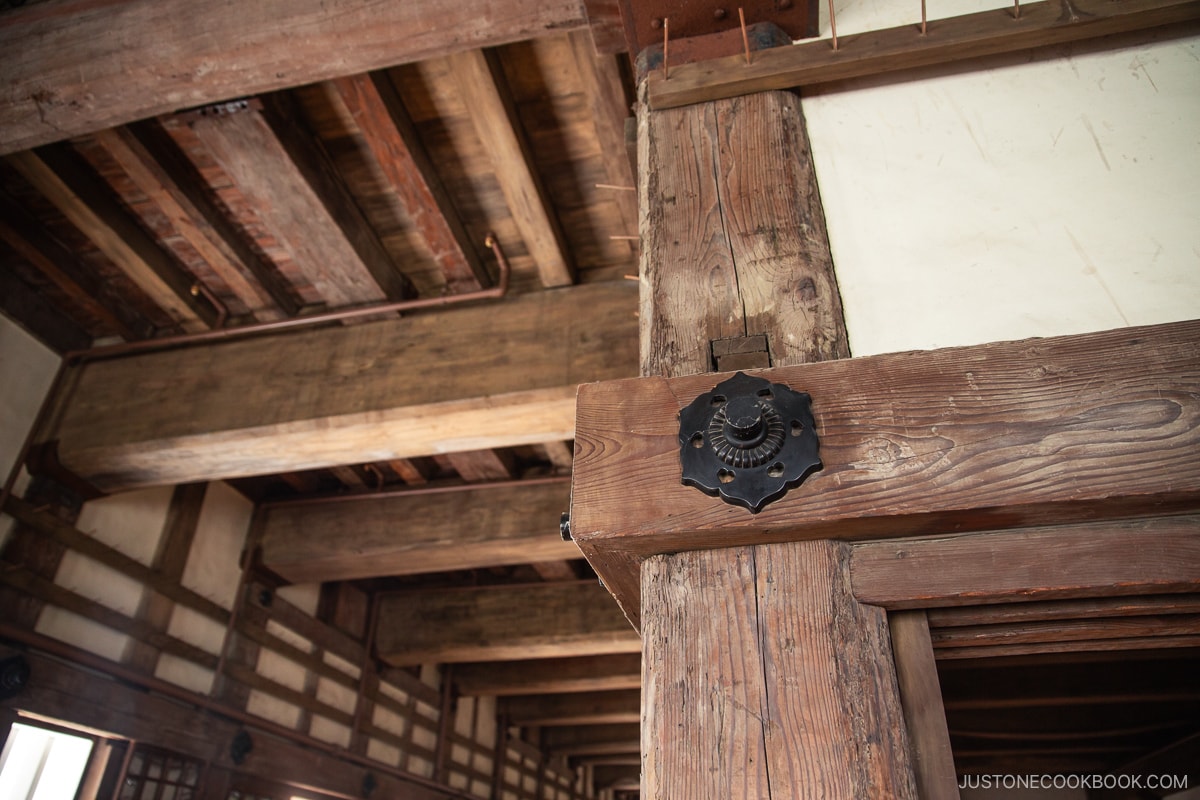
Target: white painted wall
(1035,198)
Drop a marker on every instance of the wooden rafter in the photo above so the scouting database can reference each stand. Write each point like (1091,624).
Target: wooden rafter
(597,708)
(550,675)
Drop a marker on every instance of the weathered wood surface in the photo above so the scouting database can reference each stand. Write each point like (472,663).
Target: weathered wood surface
(1101,559)
(593,708)
(733,236)
(895,49)
(591,740)
(1034,611)
(409,534)
(806,704)
(993,436)
(921,700)
(78,66)
(501,623)
(349,394)
(551,675)
(494,115)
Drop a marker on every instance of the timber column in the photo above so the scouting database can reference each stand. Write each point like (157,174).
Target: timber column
(762,676)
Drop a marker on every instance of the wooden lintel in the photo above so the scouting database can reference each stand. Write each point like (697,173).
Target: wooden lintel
(895,49)
(350,394)
(550,675)
(593,708)
(995,436)
(410,533)
(69,73)
(501,623)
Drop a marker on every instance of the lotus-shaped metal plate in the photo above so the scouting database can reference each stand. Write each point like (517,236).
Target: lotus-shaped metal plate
(748,441)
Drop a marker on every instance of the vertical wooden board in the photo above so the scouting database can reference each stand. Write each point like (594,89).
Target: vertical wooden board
(703,698)
(689,291)
(771,207)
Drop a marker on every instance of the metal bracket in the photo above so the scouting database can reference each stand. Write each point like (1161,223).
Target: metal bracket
(748,441)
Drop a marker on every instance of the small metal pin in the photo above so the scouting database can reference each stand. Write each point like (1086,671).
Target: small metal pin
(666,39)
(616,187)
(924,29)
(833,24)
(1016,9)
(745,38)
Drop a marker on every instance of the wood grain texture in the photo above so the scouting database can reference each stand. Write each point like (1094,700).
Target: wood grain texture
(782,686)
(550,675)
(350,394)
(405,535)
(733,235)
(501,623)
(995,436)
(1104,559)
(592,708)
(68,79)
(895,49)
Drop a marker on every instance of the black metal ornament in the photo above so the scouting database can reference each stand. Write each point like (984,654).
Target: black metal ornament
(748,441)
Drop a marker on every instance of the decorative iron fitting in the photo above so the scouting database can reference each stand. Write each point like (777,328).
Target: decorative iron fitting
(748,441)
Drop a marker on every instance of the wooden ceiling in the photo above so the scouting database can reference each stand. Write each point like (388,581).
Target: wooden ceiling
(381,178)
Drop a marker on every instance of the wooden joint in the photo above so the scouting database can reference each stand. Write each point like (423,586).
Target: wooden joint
(740,352)
(42,461)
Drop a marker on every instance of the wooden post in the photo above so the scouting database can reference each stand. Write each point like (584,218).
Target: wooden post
(762,675)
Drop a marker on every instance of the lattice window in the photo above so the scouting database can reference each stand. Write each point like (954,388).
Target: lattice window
(155,774)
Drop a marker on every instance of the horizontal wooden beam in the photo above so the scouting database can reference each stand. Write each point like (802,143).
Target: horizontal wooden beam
(594,708)
(593,740)
(501,623)
(891,50)
(495,375)
(995,436)
(413,532)
(1129,557)
(67,67)
(550,675)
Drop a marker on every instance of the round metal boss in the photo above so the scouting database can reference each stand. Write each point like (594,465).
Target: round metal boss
(748,441)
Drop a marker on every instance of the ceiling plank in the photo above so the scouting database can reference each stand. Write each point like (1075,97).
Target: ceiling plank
(894,49)
(550,675)
(592,708)
(493,112)
(391,137)
(501,623)
(349,394)
(284,173)
(87,202)
(68,69)
(408,533)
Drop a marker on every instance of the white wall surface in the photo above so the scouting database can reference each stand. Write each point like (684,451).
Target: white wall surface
(1033,198)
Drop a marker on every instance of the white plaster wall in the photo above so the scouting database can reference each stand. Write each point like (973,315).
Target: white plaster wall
(1042,198)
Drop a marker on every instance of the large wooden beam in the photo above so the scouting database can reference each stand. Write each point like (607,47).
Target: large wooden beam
(550,675)
(409,533)
(74,67)
(501,623)
(493,375)
(973,438)
(895,49)
(594,708)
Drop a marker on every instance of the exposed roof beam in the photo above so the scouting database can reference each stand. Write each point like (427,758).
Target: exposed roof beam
(73,67)
(414,532)
(551,675)
(349,394)
(88,203)
(501,623)
(894,49)
(592,708)
(392,139)
(486,95)
(593,740)
(31,311)
(285,174)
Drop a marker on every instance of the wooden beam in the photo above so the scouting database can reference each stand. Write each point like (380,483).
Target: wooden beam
(808,696)
(349,394)
(551,675)
(84,200)
(287,177)
(1000,435)
(476,466)
(592,740)
(1132,557)
(69,70)
(598,708)
(485,93)
(392,140)
(42,320)
(409,533)
(947,41)
(501,623)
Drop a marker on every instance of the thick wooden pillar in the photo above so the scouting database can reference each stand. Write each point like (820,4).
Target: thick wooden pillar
(762,676)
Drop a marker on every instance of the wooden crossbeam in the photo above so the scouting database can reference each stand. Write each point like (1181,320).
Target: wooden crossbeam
(550,675)
(501,623)
(69,73)
(975,438)
(598,708)
(493,112)
(593,740)
(289,180)
(406,533)
(895,49)
(349,394)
